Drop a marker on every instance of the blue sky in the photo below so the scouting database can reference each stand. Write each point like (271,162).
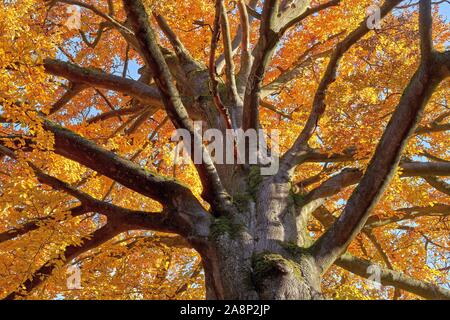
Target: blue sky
(445,10)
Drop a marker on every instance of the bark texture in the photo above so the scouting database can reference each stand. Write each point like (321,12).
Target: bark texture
(253,240)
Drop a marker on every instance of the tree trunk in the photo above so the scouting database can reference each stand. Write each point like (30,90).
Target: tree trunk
(258,253)
(231,272)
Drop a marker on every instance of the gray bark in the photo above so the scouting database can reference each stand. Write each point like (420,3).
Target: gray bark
(254,240)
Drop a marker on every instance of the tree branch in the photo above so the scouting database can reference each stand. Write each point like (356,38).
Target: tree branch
(188,62)
(240,34)
(425,29)
(99,79)
(66,97)
(246,57)
(229,66)
(163,222)
(334,184)
(434,127)
(212,185)
(85,152)
(425,169)
(212,68)
(393,278)
(36,224)
(269,35)
(295,154)
(388,277)
(438,210)
(96,239)
(439,184)
(383,164)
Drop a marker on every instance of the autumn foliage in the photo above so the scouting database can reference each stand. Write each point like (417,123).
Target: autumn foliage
(57,80)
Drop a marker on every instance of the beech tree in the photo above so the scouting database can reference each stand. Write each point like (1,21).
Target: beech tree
(88,179)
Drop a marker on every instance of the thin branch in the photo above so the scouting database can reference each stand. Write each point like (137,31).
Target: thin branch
(188,62)
(116,113)
(437,210)
(350,176)
(36,224)
(388,277)
(384,257)
(96,239)
(246,56)
(212,68)
(74,89)
(434,127)
(229,66)
(98,12)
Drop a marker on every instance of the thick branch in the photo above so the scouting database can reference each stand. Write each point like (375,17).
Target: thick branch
(246,57)
(438,210)
(145,36)
(425,29)
(212,69)
(439,184)
(271,30)
(239,37)
(425,169)
(388,277)
(295,154)
(125,172)
(100,79)
(383,164)
(394,278)
(125,217)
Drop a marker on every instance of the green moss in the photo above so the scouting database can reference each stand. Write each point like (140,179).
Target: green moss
(241,201)
(248,282)
(293,249)
(254,180)
(297,198)
(266,265)
(224,225)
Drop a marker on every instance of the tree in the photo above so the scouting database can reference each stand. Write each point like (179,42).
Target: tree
(88,178)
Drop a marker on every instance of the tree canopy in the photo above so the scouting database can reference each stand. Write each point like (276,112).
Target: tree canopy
(87,174)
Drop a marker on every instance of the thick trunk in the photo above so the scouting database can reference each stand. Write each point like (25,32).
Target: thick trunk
(258,253)
(232,272)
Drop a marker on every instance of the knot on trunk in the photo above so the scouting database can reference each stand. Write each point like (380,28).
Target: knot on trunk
(272,265)
(277,277)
